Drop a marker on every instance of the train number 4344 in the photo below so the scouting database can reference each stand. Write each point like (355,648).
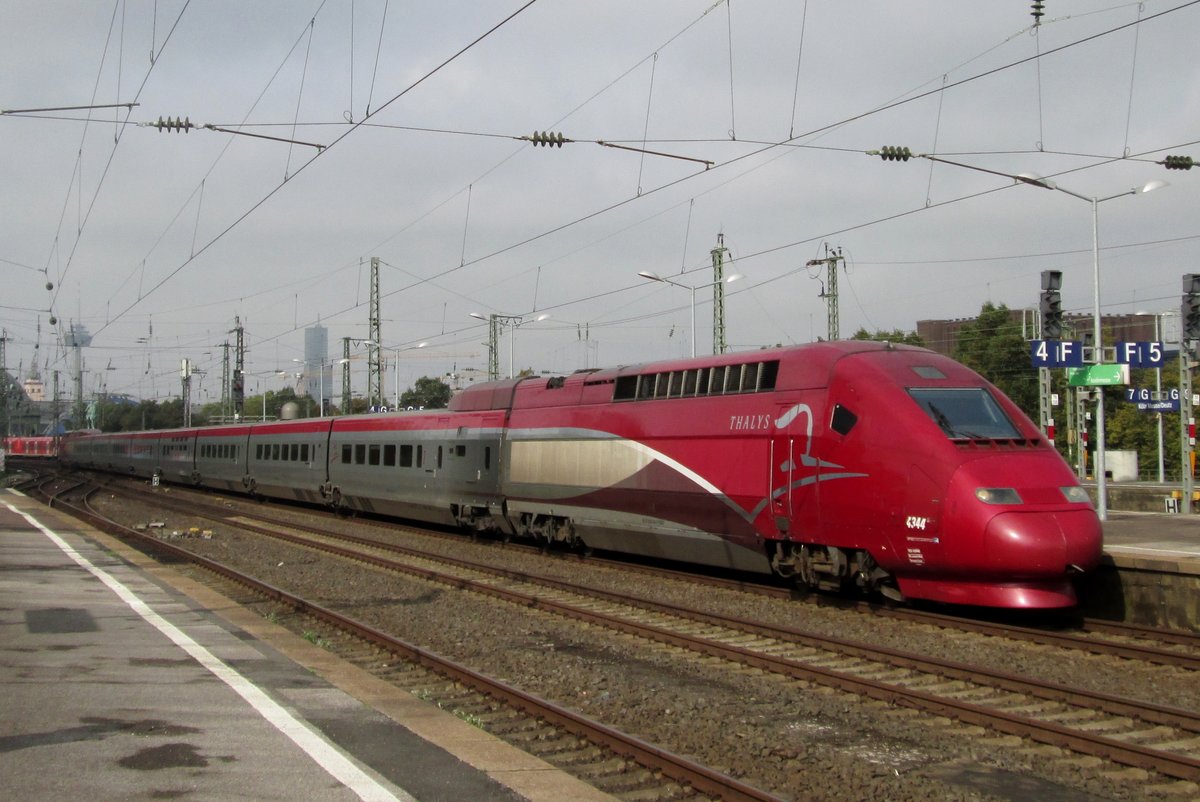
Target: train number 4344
(916,522)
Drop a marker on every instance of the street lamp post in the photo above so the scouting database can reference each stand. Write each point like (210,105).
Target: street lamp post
(1158,337)
(646,274)
(495,323)
(320,382)
(396,371)
(1097,344)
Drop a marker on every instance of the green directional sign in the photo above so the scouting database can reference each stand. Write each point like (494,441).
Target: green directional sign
(1098,376)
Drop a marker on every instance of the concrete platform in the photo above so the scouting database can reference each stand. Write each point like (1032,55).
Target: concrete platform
(123,680)
(1151,573)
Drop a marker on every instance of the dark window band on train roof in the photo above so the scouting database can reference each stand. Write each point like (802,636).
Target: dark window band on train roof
(747,377)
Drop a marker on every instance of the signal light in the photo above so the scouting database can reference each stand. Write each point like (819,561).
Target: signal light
(1051,305)
(174,124)
(1189,310)
(549,139)
(1178,162)
(892,153)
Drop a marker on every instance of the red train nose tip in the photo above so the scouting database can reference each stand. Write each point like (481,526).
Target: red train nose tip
(1040,544)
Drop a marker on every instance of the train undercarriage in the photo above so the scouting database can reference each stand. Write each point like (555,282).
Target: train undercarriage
(833,569)
(811,566)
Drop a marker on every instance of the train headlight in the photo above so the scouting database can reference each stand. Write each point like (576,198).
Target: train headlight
(997,495)
(1076,495)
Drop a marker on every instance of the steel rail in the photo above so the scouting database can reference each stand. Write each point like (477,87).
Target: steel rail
(678,768)
(1167,763)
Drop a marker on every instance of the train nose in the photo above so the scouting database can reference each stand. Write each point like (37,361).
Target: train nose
(1043,543)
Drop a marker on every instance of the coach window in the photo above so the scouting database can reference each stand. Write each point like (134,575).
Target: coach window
(460,451)
(360,453)
(389,455)
(733,378)
(347,454)
(275,451)
(487,458)
(304,452)
(406,459)
(295,452)
(420,456)
(373,454)
(750,377)
(439,461)
(258,451)
(625,388)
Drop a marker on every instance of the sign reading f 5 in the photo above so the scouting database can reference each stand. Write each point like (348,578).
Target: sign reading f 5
(1141,354)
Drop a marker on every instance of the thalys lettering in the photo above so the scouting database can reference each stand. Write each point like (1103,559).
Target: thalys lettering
(698,460)
(749,423)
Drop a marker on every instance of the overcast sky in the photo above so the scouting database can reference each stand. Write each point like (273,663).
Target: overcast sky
(156,241)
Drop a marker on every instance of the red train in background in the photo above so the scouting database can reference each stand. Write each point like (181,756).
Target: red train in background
(843,465)
(35,447)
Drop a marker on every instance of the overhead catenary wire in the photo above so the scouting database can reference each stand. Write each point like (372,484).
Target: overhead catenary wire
(766,145)
(220,235)
(108,164)
(473,261)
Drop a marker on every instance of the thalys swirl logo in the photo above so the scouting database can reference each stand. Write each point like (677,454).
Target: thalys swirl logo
(810,469)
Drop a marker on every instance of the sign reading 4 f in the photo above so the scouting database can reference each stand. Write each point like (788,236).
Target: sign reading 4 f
(1056,353)
(1141,354)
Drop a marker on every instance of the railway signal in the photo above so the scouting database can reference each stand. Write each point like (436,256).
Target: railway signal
(1051,304)
(1190,308)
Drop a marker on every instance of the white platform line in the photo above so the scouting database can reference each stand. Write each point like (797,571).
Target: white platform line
(320,750)
(1146,548)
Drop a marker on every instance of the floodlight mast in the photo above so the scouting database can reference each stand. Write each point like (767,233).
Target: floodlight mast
(646,274)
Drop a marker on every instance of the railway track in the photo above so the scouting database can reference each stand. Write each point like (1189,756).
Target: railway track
(1151,737)
(600,754)
(1093,636)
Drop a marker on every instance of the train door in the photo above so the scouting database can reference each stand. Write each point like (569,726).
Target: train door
(793,472)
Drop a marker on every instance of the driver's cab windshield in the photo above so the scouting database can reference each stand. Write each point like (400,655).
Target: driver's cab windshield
(965,413)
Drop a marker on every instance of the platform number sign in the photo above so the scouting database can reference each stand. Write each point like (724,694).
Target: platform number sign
(1056,353)
(1148,400)
(1141,354)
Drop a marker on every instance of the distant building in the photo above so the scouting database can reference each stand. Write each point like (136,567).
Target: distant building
(942,335)
(35,389)
(317,378)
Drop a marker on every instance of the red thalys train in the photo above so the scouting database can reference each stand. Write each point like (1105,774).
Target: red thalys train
(843,464)
(34,447)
